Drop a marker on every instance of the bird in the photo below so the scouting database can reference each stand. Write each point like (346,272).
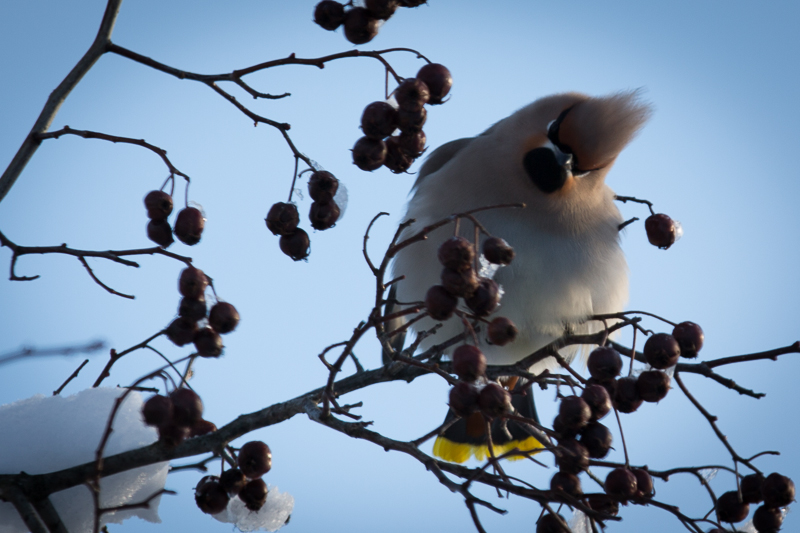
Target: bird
(553,155)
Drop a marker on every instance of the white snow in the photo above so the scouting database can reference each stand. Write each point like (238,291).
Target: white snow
(271,517)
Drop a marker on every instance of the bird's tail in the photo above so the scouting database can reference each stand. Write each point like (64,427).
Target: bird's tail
(468,436)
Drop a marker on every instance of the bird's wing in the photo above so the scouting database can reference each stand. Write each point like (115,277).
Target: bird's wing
(440,157)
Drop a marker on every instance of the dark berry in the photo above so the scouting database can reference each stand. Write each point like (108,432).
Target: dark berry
(661,230)
(223,317)
(598,400)
(322,186)
(369,154)
(778,490)
(189,226)
(731,509)
(501,331)
(767,519)
(187,407)
(438,79)
(181,331)
(412,143)
(604,363)
(469,363)
(497,251)
(379,120)
(644,485)
(661,350)
(596,438)
(602,504)
(233,480)
(626,395)
(160,232)
(574,412)
(323,215)
(411,121)
(329,14)
(456,253)
(158,204)
(255,459)
(254,494)
(210,497)
(460,283)
(296,244)
(485,298)
(751,488)
(207,342)
(192,283)
(282,218)
(652,385)
(157,410)
(572,457)
(610,385)
(173,434)
(412,94)
(360,26)
(566,482)
(397,160)
(564,433)
(440,303)
(381,9)
(494,400)
(621,484)
(690,338)
(463,399)
(550,523)
(202,427)
(192,308)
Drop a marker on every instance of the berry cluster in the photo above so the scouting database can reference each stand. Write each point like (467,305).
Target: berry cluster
(380,120)
(177,416)
(213,493)
(460,280)
(361,24)
(192,311)
(776,491)
(283,218)
(472,393)
(662,231)
(188,225)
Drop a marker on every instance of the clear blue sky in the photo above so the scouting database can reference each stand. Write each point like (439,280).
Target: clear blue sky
(718,155)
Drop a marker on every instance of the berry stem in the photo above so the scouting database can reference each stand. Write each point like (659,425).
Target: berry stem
(622,436)
(633,350)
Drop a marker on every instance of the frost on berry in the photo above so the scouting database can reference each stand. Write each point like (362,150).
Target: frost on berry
(497,251)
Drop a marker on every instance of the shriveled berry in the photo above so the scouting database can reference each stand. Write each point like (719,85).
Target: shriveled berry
(233,480)
(652,385)
(598,400)
(604,363)
(157,410)
(282,218)
(767,519)
(626,395)
(463,399)
(501,331)
(323,215)
(690,338)
(379,120)
(192,308)
(574,412)
(223,317)
(564,433)
(751,488)
(485,298)
(644,485)
(550,523)
(460,283)
(661,350)
(210,497)
(381,9)
(207,342)
(160,232)
(255,459)
(596,438)
(369,154)
(572,457)
(412,143)
(296,244)
(412,94)
(438,79)
(494,400)
(202,427)
(440,303)
(254,494)
(322,186)
(192,283)
(621,484)
(329,14)
(172,434)
(456,253)
(397,160)
(181,331)
(189,225)
(602,504)
(731,509)
(187,407)
(158,204)
(778,490)
(497,251)
(566,482)
(360,26)
(469,363)
(410,121)
(661,230)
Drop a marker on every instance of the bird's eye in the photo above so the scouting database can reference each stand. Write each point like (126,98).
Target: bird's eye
(544,169)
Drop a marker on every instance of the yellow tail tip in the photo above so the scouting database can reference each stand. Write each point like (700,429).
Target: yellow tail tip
(459,452)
